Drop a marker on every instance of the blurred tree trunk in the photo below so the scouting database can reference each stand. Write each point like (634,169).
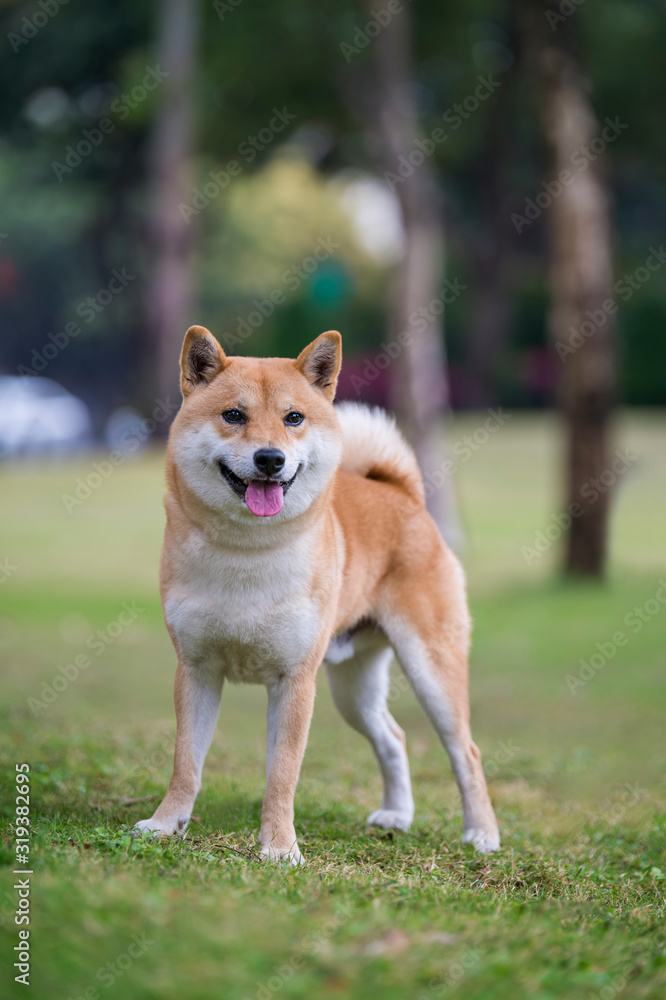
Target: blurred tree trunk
(490,258)
(420,378)
(170,185)
(581,280)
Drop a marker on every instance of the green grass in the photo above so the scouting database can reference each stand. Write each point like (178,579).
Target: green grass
(572,906)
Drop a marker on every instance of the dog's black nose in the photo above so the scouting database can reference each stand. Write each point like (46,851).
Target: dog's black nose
(269,460)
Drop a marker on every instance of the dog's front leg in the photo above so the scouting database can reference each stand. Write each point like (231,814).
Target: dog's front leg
(290,705)
(197,692)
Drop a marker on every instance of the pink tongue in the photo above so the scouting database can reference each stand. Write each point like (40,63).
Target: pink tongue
(264,499)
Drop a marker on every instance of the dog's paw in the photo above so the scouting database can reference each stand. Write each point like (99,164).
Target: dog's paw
(290,855)
(390,819)
(161,828)
(484,840)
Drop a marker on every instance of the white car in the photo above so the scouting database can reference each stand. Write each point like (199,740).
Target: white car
(38,416)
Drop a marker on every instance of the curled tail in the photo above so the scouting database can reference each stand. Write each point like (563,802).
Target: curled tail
(374,447)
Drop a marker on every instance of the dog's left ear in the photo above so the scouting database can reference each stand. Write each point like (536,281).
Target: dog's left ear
(201,359)
(320,362)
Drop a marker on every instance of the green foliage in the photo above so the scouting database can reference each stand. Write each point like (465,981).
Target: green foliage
(64,236)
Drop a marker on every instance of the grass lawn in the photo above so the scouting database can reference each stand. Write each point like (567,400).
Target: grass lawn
(571,907)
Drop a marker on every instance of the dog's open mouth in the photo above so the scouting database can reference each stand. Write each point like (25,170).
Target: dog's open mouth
(264,497)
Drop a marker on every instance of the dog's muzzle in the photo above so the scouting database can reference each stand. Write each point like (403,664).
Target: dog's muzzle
(264,497)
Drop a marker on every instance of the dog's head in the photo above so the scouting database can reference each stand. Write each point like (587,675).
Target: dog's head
(257,437)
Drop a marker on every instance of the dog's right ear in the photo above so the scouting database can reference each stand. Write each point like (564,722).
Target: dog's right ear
(320,362)
(201,359)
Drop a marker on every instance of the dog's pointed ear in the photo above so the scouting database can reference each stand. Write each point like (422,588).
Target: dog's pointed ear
(320,362)
(201,359)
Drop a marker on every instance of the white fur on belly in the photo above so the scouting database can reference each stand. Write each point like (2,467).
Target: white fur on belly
(251,614)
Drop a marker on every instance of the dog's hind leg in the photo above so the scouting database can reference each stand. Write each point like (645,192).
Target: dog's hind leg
(359,687)
(197,694)
(431,642)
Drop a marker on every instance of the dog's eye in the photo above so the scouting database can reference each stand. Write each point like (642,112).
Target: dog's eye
(294,418)
(234,416)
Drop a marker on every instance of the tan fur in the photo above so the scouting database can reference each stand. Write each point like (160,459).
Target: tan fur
(373,447)
(258,600)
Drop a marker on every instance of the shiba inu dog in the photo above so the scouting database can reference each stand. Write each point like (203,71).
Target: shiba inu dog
(296,534)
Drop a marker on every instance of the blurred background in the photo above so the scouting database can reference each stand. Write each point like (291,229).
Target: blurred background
(474,195)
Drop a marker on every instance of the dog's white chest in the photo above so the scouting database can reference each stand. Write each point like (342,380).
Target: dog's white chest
(250,615)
